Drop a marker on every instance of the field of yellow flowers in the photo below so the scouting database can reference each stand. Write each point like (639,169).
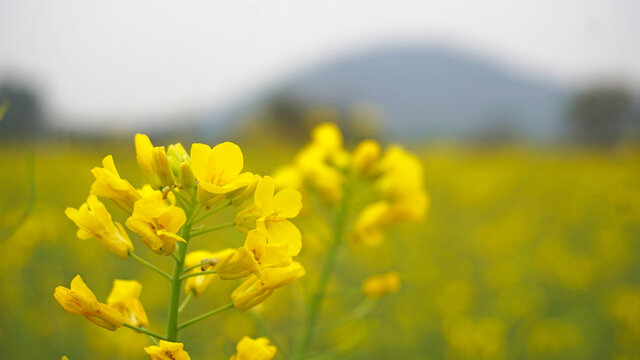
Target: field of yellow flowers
(524,253)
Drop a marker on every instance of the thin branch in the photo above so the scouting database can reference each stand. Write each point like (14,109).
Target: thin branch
(214,228)
(185,302)
(213,211)
(199,273)
(205,315)
(149,265)
(144,331)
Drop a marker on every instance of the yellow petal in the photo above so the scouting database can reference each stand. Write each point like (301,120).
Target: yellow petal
(284,232)
(264,193)
(287,203)
(225,160)
(199,161)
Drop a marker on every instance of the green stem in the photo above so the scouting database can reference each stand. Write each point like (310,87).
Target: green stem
(199,273)
(213,211)
(213,228)
(315,303)
(176,281)
(205,315)
(149,265)
(144,331)
(185,302)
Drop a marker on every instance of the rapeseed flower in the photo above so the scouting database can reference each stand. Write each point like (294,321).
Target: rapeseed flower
(153,161)
(93,220)
(209,261)
(181,166)
(254,291)
(365,156)
(125,297)
(218,171)
(254,349)
(369,225)
(270,213)
(156,221)
(80,300)
(110,185)
(167,350)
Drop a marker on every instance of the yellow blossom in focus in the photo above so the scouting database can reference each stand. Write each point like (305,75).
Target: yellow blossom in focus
(125,297)
(153,161)
(80,300)
(379,285)
(167,350)
(368,227)
(93,219)
(218,170)
(108,184)
(253,291)
(256,254)
(365,156)
(239,196)
(209,261)
(156,221)
(271,213)
(254,349)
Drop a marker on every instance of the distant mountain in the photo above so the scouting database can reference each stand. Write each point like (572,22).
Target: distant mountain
(428,91)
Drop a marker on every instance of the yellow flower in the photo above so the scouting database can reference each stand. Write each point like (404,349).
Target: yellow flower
(108,184)
(254,349)
(156,221)
(218,170)
(368,227)
(153,161)
(167,351)
(271,213)
(288,177)
(239,196)
(365,156)
(379,285)
(93,219)
(198,284)
(255,255)
(253,291)
(80,300)
(124,297)
(181,166)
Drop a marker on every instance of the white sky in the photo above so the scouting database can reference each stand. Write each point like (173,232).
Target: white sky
(129,59)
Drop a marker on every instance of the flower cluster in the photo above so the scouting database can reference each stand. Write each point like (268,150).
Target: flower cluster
(167,214)
(367,190)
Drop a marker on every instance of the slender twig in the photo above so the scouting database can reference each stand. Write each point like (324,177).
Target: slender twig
(199,273)
(213,211)
(213,228)
(205,315)
(149,265)
(153,340)
(185,302)
(201,264)
(144,331)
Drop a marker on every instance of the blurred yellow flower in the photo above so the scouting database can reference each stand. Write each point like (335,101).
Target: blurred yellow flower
(253,291)
(153,161)
(108,184)
(218,170)
(80,300)
(380,285)
(93,219)
(254,349)
(167,350)
(365,156)
(156,221)
(125,297)
(368,227)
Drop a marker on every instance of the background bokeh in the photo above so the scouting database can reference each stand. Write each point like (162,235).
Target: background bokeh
(528,132)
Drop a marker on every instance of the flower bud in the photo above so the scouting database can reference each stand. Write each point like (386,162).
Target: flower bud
(379,285)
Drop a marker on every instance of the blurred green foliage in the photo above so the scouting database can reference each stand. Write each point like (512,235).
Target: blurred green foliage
(526,253)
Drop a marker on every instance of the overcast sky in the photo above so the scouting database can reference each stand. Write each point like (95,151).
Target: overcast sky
(132,59)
